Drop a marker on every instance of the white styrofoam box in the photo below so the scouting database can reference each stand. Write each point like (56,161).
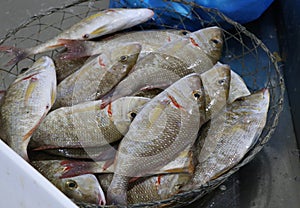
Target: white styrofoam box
(21,186)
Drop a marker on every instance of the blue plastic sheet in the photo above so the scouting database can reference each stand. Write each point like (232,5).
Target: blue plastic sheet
(185,16)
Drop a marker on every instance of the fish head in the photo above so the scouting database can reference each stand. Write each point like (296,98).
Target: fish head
(122,58)
(38,66)
(216,82)
(83,188)
(124,110)
(210,40)
(188,94)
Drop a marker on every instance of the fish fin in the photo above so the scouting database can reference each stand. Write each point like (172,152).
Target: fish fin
(99,30)
(30,132)
(106,155)
(32,85)
(75,49)
(107,164)
(19,54)
(75,168)
(53,95)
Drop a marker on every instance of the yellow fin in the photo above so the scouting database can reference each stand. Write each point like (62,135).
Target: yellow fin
(53,95)
(30,89)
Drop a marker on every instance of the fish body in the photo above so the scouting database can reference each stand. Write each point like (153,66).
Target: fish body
(66,67)
(86,125)
(98,76)
(151,40)
(229,137)
(162,68)
(79,153)
(26,102)
(165,126)
(151,188)
(183,163)
(82,188)
(96,25)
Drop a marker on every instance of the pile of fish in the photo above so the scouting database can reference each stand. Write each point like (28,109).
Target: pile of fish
(131,117)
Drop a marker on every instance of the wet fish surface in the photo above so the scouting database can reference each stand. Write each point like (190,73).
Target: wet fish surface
(151,40)
(229,136)
(82,188)
(162,68)
(165,126)
(70,127)
(26,103)
(96,25)
(98,76)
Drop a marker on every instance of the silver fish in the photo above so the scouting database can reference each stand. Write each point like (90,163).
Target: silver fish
(86,125)
(96,25)
(98,76)
(82,188)
(66,67)
(26,103)
(165,126)
(162,68)
(151,40)
(229,137)
(149,189)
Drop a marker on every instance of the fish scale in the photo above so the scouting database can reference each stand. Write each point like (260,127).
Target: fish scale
(26,103)
(86,124)
(151,40)
(94,26)
(229,136)
(158,124)
(97,76)
(168,64)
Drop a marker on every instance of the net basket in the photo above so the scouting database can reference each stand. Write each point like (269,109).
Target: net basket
(243,51)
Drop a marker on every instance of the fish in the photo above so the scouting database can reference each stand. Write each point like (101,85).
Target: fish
(149,189)
(66,67)
(94,26)
(228,137)
(162,68)
(26,103)
(81,188)
(151,40)
(165,126)
(150,93)
(86,125)
(183,163)
(94,153)
(98,76)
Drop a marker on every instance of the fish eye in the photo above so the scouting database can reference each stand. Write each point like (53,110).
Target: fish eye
(71,184)
(86,36)
(196,95)
(215,41)
(221,81)
(132,115)
(123,58)
(184,32)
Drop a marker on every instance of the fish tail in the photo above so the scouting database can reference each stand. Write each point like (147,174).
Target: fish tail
(19,54)
(75,49)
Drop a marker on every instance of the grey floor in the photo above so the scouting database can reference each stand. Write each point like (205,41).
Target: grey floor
(271,180)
